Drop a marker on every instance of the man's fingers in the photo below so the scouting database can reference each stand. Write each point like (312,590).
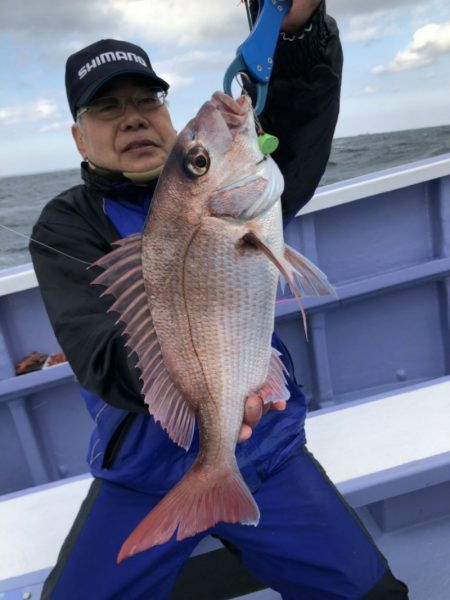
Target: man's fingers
(245,433)
(252,415)
(279,405)
(253,410)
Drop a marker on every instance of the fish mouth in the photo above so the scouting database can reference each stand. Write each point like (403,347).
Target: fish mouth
(235,113)
(238,116)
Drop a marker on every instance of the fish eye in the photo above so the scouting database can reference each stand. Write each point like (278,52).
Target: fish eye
(197,161)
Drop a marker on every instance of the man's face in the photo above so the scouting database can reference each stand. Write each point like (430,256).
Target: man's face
(132,142)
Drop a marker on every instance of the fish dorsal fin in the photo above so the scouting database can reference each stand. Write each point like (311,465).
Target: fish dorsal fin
(275,387)
(124,280)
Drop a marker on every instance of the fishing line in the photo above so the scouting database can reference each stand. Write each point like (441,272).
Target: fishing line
(249,15)
(240,77)
(268,143)
(27,237)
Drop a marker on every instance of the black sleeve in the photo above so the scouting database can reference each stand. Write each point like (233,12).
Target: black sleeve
(303,105)
(85,330)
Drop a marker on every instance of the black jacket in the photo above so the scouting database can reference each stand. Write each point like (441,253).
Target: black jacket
(301,110)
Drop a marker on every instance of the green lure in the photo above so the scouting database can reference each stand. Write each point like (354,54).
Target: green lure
(267,143)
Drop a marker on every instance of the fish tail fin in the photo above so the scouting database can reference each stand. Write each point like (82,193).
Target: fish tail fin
(196,503)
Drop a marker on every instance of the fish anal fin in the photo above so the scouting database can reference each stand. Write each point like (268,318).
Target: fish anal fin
(199,501)
(123,279)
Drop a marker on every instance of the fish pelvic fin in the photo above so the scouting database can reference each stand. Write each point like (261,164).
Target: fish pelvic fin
(302,276)
(123,279)
(199,501)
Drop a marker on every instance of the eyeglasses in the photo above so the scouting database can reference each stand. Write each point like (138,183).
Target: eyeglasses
(107,108)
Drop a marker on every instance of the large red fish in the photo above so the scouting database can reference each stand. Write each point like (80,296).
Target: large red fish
(197,291)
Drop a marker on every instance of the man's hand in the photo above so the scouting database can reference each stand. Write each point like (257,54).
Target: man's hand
(253,411)
(299,14)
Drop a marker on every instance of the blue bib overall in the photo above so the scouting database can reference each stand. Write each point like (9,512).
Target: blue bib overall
(308,544)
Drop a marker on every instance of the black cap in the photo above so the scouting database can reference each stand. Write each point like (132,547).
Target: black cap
(90,68)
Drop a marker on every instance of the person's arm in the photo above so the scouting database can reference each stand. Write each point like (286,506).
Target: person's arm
(85,330)
(302,108)
(303,100)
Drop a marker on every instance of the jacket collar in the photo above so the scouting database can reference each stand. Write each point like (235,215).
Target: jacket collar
(115,186)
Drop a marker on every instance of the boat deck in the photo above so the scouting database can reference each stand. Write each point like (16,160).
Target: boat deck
(401,490)
(425,567)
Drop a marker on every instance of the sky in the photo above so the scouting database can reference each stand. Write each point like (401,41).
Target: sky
(396,72)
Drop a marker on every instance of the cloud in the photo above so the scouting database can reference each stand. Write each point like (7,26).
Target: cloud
(196,60)
(56,126)
(47,19)
(429,42)
(183,22)
(365,91)
(351,8)
(179,22)
(27,113)
(176,81)
(366,28)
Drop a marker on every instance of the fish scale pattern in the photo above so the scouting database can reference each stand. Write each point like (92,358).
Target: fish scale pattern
(231,310)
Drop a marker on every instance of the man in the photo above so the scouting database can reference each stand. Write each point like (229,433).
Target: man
(308,543)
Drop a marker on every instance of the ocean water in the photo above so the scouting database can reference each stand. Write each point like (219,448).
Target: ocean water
(23,197)
(358,155)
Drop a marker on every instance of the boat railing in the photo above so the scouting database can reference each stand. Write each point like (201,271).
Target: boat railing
(375,369)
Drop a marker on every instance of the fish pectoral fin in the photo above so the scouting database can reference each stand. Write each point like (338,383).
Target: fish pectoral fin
(283,266)
(311,279)
(124,280)
(301,274)
(275,387)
